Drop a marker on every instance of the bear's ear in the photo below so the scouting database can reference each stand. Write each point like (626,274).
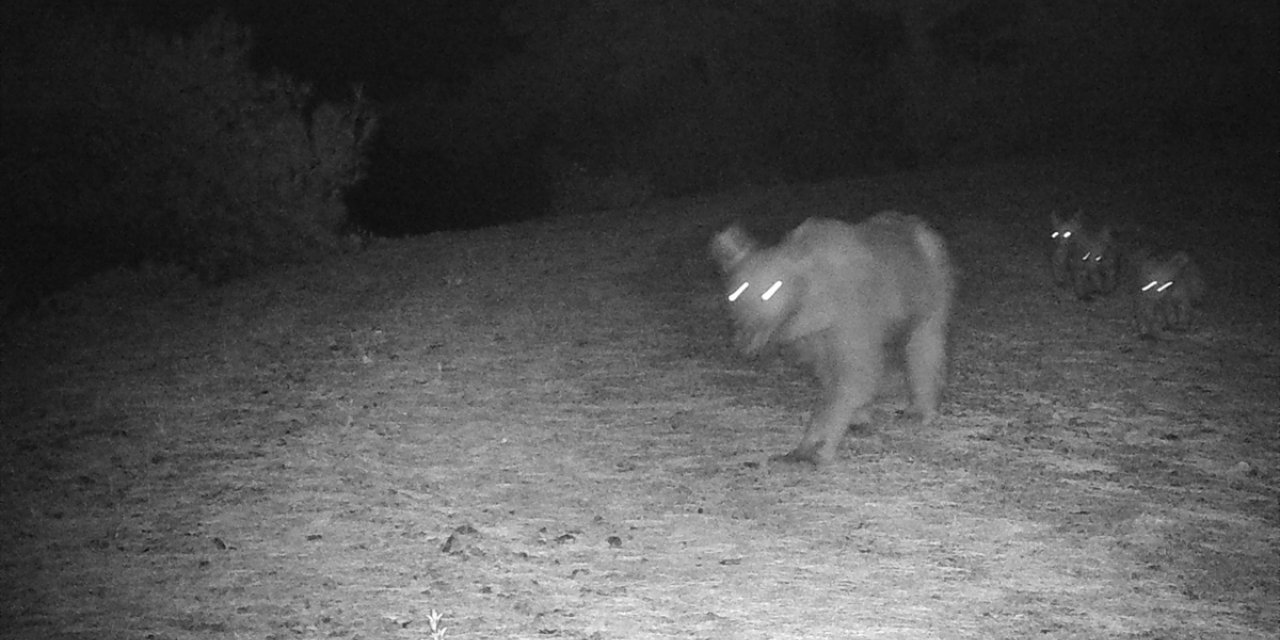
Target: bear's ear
(730,246)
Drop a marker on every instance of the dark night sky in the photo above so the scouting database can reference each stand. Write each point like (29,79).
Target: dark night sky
(493,111)
(390,46)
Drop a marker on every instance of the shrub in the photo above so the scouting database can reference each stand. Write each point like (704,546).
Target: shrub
(190,156)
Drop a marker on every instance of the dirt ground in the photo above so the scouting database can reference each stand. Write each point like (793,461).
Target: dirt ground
(542,431)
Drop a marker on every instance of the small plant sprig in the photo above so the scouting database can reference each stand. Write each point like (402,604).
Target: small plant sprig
(437,631)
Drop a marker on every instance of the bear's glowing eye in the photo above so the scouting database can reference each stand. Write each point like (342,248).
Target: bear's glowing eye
(733,297)
(1165,286)
(1151,285)
(772,290)
(1087,256)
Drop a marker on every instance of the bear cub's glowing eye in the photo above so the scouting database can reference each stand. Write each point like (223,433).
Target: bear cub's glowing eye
(733,297)
(772,290)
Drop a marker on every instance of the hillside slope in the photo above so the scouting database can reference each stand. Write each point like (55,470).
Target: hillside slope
(541,431)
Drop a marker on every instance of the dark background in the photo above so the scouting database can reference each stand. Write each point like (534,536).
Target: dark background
(491,110)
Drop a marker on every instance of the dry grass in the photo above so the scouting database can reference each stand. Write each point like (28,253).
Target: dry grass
(540,431)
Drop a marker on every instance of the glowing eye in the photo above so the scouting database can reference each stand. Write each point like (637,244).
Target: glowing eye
(1086,256)
(733,297)
(1066,234)
(772,290)
(1151,285)
(1055,235)
(1097,258)
(1165,286)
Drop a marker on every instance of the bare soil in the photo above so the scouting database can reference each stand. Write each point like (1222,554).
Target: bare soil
(541,431)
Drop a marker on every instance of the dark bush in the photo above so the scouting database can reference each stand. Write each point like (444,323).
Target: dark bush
(172,149)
